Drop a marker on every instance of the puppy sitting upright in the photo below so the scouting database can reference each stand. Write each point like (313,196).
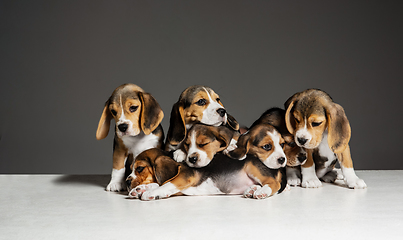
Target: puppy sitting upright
(196,104)
(138,116)
(321,126)
(296,155)
(201,143)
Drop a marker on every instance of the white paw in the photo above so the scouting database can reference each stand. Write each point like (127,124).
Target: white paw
(116,186)
(231,147)
(294,181)
(311,183)
(248,193)
(357,184)
(263,192)
(179,155)
(138,191)
(153,194)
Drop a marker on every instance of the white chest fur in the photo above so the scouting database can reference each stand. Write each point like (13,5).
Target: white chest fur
(138,144)
(325,152)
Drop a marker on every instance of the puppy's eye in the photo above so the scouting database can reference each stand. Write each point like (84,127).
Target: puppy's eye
(296,120)
(267,147)
(133,108)
(282,145)
(291,144)
(114,112)
(139,169)
(202,145)
(315,124)
(201,102)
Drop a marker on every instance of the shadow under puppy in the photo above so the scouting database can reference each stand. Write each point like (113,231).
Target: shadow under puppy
(196,104)
(322,128)
(296,155)
(137,116)
(223,175)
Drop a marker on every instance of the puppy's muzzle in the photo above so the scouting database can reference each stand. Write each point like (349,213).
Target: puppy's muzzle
(302,141)
(281,160)
(301,157)
(221,112)
(123,127)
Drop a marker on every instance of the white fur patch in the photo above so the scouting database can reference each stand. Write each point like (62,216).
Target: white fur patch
(206,188)
(138,144)
(164,191)
(272,160)
(179,155)
(293,176)
(309,178)
(351,179)
(117,182)
(210,114)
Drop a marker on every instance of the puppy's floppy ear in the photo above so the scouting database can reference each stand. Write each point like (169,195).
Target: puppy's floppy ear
(289,118)
(151,113)
(339,130)
(242,147)
(165,169)
(231,122)
(104,123)
(177,127)
(224,136)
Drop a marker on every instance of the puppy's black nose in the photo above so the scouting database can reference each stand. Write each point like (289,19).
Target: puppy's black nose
(301,157)
(302,141)
(193,160)
(128,182)
(281,160)
(221,112)
(123,127)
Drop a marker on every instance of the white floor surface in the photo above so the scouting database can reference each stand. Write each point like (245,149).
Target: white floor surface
(77,207)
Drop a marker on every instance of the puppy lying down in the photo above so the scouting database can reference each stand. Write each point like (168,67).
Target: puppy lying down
(223,175)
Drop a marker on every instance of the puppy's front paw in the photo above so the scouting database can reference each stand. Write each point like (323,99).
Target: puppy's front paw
(311,183)
(251,190)
(356,184)
(294,181)
(330,177)
(153,195)
(263,192)
(179,155)
(138,191)
(116,186)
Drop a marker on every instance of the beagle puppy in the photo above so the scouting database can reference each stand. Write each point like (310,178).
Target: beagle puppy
(264,142)
(222,176)
(201,143)
(321,127)
(196,104)
(296,155)
(137,116)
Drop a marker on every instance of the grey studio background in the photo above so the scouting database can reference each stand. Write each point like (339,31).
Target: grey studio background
(61,60)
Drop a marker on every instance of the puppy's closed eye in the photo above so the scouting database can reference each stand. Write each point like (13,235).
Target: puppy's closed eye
(139,169)
(133,108)
(316,124)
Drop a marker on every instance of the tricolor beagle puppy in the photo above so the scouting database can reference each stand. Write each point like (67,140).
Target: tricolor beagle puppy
(322,128)
(223,175)
(196,104)
(202,142)
(264,142)
(137,116)
(296,155)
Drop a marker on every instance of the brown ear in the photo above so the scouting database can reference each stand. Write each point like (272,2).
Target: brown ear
(224,136)
(151,113)
(289,118)
(231,122)
(165,169)
(339,130)
(242,147)
(177,127)
(104,123)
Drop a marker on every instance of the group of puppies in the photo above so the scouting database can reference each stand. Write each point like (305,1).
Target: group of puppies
(206,151)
